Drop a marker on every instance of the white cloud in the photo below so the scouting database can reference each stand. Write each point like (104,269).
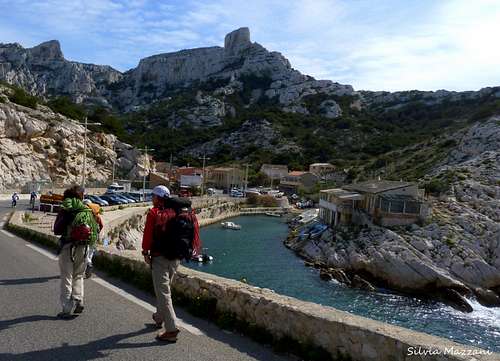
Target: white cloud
(388,45)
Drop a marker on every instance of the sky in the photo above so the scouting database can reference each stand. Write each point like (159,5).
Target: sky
(371,44)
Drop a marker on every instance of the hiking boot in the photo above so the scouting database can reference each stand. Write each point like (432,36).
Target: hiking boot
(157,320)
(78,308)
(168,336)
(64,315)
(88,272)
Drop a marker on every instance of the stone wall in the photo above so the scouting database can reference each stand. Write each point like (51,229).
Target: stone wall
(341,334)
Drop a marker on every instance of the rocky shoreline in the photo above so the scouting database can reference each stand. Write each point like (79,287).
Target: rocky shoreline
(452,256)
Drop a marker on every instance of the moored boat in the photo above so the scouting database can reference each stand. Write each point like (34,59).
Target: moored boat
(273,214)
(230,225)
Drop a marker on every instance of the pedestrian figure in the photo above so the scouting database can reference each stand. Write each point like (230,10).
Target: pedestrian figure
(171,234)
(33,197)
(96,211)
(15,198)
(78,229)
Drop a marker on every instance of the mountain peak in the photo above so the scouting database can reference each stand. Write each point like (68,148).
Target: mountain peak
(49,50)
(236,41)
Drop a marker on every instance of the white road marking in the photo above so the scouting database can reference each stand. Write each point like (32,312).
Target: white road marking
(188,327)
(42,251)
(147,306)
(7,233)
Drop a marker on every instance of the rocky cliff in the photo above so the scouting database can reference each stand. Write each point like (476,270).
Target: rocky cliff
(38,144)
(43,71)
(204,99)
(457,250)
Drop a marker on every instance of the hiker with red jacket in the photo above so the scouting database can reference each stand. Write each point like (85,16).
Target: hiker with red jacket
(171,234)
(78,229)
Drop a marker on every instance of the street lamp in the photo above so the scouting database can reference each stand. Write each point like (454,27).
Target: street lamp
(203,173)
(85,124)
(114,162)
(246,179)
(145,149)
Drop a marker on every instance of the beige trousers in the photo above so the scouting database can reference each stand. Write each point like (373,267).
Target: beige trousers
(72,272)
(163,271)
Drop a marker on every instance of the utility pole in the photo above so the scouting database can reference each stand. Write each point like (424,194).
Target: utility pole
(204,158)
(246,179)
(114,162)
(85,124)
(145,149)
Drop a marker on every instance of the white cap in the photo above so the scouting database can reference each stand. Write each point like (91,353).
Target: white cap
(161,191)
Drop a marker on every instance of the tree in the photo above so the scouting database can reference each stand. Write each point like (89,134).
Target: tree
(259,179)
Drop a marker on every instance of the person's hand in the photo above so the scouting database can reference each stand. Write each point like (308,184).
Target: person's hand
(147,259)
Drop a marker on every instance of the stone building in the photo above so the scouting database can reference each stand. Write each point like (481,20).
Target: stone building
(321,169)
(387,203)
(225,178)
(297,180)
(274,171)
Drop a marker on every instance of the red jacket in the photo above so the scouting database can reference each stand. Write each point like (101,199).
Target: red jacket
(147,238)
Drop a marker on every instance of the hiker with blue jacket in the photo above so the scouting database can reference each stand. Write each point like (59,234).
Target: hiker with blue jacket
(76,225)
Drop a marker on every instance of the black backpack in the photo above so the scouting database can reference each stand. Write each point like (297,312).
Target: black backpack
(174,230)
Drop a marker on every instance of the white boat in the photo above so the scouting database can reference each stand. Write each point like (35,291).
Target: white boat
(273,214)
(230,225)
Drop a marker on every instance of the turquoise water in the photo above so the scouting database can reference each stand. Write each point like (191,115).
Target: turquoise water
(257,253)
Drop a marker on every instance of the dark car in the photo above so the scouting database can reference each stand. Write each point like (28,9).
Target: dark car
(97,200)
(136,196)
(112,200)
(124,198)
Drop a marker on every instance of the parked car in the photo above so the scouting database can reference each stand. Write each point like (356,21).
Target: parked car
(111,199)
(185,192)
(237,194)
(136,196)
(97,200)
(126,197)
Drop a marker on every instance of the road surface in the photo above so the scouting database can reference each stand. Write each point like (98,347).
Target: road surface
(116,323)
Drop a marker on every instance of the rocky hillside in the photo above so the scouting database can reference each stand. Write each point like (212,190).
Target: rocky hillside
(456,252)
(203,101)
(39,144)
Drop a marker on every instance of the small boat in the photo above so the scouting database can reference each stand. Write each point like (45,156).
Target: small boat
(273,214)
(230,225)
(202,258)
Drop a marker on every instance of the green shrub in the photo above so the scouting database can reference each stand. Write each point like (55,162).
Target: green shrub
(66,107)
(262,201)
(21,97)
(437,186)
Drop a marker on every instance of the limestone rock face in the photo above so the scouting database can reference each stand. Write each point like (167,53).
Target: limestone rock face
(330,109)
(43,145)
(237,41)
(42,70)
(207,112)
(259,133)
(458,247)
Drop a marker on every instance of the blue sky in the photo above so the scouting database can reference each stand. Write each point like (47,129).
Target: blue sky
(375,45)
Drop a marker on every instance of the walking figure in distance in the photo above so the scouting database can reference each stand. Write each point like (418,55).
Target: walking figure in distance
(15,198)
(33,197)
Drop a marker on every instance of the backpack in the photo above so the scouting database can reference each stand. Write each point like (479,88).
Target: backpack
(79,232)
(175,230)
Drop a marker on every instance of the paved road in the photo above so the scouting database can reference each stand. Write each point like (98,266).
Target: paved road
(116,324)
